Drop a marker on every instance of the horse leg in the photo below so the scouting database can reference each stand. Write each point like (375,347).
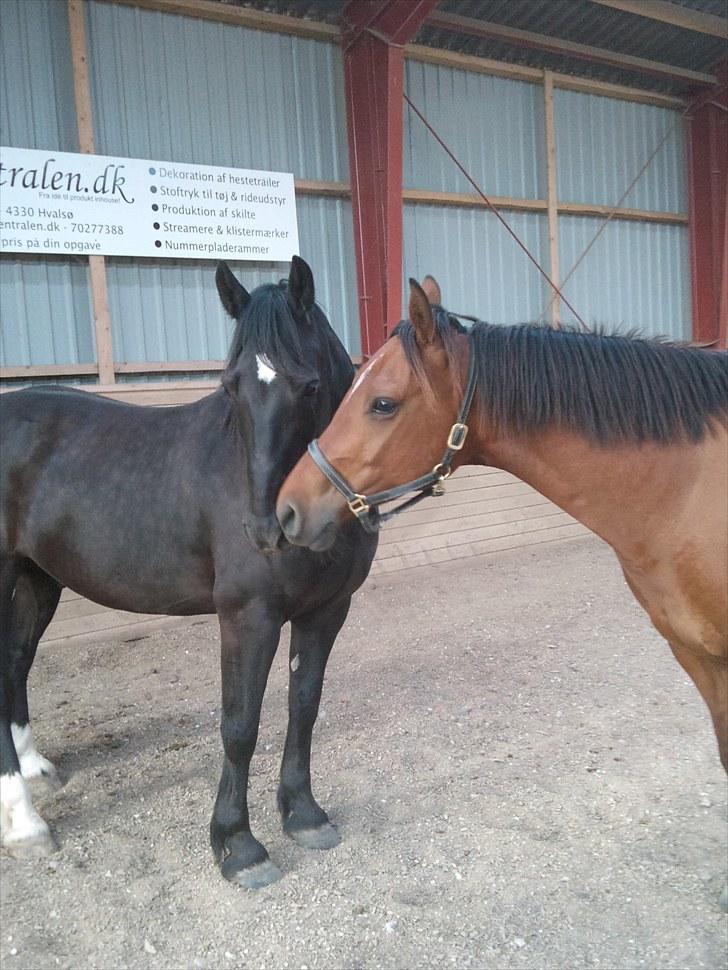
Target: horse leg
(312,638)
(43,593)
(24,833)
(710,675)
(249,639)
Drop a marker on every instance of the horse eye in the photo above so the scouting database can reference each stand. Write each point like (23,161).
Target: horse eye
(384,406)
(311,388)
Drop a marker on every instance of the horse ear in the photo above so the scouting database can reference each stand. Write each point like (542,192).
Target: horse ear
(301,290)
(432,290)
(420,313)
(233,295)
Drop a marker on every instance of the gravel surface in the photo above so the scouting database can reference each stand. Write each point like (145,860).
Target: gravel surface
(522,776)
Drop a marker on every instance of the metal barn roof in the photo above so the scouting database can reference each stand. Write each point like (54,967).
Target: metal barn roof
(612,26)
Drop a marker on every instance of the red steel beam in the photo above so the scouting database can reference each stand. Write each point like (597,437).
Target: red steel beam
(708,214)
(374,79)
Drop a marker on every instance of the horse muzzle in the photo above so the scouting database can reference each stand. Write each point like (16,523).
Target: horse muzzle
(315,529)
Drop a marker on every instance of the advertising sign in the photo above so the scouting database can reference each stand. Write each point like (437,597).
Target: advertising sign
(63,202)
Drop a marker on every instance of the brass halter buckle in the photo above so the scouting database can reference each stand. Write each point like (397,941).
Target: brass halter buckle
(457,436)
(443,472)
(358,505)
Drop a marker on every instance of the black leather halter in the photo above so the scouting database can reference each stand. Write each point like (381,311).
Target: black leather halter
(366,507)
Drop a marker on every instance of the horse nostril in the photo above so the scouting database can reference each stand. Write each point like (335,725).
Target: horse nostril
(288,520)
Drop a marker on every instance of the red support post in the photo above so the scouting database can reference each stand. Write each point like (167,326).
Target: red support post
(708,214)
(374,79)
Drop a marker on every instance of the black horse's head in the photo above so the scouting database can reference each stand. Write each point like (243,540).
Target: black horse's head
(285,376)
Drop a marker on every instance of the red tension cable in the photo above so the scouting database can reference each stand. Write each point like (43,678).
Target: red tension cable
(495,212)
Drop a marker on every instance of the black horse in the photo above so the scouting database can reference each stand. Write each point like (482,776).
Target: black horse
(172,511)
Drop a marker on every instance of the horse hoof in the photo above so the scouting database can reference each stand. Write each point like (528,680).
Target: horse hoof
(252,877)
(44,784)
(324,837)
(37,847)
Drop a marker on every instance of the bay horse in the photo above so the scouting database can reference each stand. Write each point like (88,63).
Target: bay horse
(628,435)
(172,511)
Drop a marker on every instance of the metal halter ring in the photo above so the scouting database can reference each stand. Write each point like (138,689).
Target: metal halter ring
(442,472)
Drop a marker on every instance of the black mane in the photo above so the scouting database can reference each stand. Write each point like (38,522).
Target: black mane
(610,388)
(268,327)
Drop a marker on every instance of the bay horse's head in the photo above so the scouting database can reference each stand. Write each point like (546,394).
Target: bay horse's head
(285,375)
(392,426)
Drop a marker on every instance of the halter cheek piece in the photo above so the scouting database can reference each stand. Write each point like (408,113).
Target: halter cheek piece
(366,507)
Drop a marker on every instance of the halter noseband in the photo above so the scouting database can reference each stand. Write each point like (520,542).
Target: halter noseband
(366,507)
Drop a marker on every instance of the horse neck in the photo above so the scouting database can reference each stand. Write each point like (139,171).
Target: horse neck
(218,424)
(623,493)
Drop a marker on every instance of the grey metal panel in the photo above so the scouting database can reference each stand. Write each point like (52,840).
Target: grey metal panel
(45,313)
(602,143)
(178,89)
(36,76)
(166,310)
(480,269)
(636,275)
(174,88)
(327,244)
(494,126)
(169,310)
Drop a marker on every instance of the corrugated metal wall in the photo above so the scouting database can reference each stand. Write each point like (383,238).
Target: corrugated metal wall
(494,127)
(602,144)
(215,94)
(45,312)
(480,269)
(176,88)
(36,108)
(636,275)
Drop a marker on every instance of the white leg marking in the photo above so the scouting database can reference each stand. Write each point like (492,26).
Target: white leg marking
(19,821)
(265,370)
(32,764)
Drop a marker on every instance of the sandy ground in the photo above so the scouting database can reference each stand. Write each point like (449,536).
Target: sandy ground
(521,773)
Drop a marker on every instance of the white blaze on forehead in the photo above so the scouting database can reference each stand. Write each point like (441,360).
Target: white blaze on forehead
(265,370)
(365,372)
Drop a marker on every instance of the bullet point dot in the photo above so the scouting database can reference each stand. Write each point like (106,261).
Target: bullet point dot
(158,244)
(153,188)
(155,207)
(156,225)
(152,171)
